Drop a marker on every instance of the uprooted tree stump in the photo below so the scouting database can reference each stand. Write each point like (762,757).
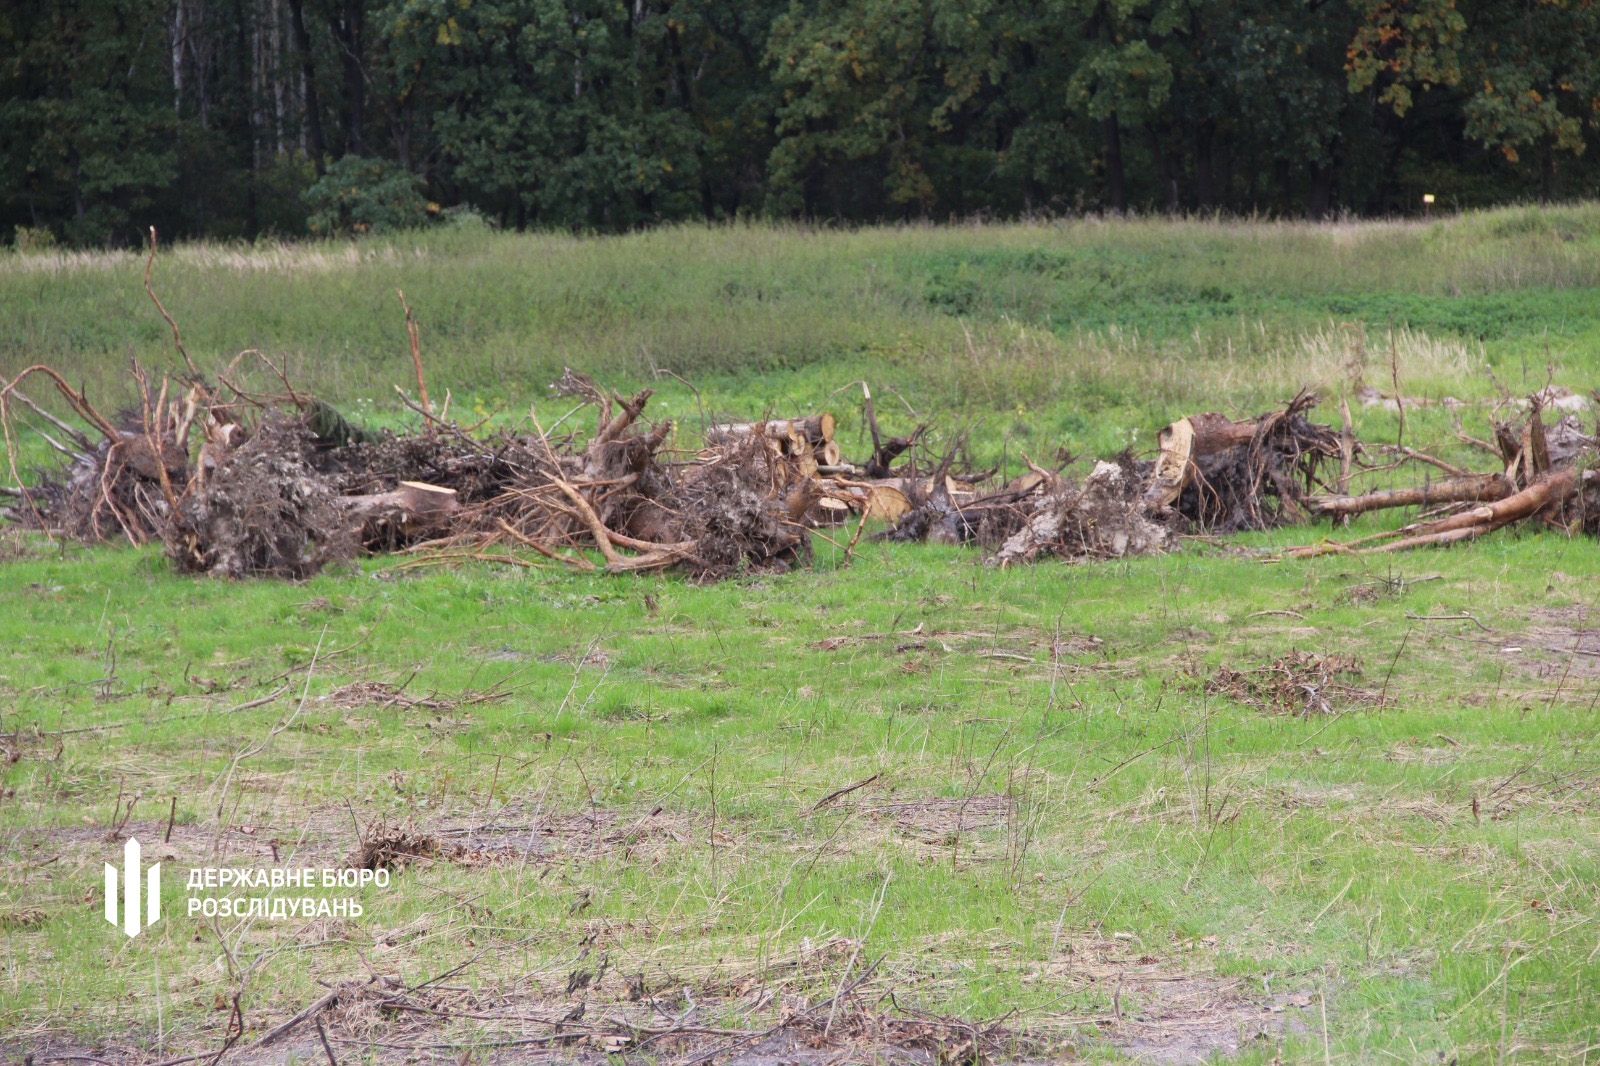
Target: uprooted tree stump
(1225,476)
(1212,474)
(264,509)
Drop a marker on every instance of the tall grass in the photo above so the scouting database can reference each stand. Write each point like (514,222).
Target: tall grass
(1166,311)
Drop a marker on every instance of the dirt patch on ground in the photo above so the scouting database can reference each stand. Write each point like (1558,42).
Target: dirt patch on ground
(938,820)
(378,694)
(1560,642)
(1161,1012)
(1200,1020)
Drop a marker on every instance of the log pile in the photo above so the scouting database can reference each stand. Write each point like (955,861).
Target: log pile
(240,484)
(234,483)
(1212,474)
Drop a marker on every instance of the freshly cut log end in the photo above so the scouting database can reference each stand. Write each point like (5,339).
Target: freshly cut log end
(886,503)
(878,502)
(412,511)
(1172,466)
(423,499)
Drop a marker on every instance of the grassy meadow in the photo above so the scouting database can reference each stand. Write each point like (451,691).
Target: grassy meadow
(1078,830)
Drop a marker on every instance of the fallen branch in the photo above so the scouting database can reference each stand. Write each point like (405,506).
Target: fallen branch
(1469,488)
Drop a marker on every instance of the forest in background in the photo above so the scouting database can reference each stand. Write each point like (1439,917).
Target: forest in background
(237,118)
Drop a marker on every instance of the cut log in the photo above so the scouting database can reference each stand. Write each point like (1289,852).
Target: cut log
(1531,500)
(1215,432)
(886,503)
(1549,491)
(1478,488)
(414,506)
(815,431)
(878,501)
(1437,538)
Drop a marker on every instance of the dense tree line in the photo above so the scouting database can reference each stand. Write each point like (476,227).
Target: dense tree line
(238,117)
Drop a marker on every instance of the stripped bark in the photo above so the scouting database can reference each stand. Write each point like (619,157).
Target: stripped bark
(1475,488)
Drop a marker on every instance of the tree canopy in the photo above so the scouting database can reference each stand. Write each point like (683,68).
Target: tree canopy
(242,117)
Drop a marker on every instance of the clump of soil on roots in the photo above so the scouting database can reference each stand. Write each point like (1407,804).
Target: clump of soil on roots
(263,510)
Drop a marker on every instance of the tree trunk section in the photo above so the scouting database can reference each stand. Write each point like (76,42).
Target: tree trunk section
(1115,189)
(1483,488)
(308,71)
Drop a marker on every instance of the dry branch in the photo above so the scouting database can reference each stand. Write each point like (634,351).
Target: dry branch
(1473,487)
(177,338)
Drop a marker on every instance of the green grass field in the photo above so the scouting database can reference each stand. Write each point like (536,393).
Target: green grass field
(1077,832)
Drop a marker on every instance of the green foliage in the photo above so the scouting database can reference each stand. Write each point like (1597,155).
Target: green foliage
(577,112)
(27,239)
(88,138)
(216,116)
(1401,45)
(1531,71)
(360,195)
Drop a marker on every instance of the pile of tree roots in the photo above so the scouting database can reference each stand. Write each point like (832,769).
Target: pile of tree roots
(1546,475)
(237,483)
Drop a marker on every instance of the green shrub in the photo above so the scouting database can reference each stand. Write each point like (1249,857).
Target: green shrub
(361,195)
(34,239)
